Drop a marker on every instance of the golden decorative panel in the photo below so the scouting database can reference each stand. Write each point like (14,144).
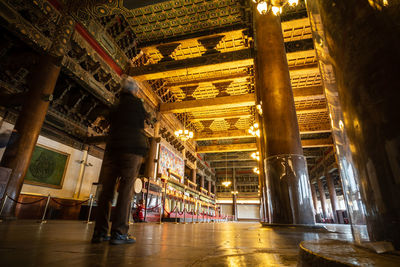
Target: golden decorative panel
(311,79)
(311,103)
(313,118)
(191,48)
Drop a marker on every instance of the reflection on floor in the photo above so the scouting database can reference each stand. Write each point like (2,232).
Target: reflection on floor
(66,243)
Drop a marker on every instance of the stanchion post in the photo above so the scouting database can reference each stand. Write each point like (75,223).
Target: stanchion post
(176,213)
(90,209)
(192,216)
(163,196)
(130,212)
(184,214)
(197,220)
(45,209)
(3,205)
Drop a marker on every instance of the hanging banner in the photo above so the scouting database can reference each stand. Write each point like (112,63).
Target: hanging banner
(170,161)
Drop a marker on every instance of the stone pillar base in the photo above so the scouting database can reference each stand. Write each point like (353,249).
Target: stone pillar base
(289,189)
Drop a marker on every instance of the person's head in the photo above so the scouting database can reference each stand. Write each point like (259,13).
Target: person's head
(129,85)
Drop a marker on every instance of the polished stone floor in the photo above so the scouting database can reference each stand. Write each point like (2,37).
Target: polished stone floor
(66,243)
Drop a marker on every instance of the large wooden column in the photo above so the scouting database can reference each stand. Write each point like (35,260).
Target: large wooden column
(194,172)
(261,176)
(363,42)
(202,181)
(151,157)
(234,196)
(332,194)
(322,197)
(314,197)
(41,83)
(214,188)
(287,177)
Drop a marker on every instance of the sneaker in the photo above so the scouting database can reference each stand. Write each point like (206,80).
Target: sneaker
(99,237)
(117,239)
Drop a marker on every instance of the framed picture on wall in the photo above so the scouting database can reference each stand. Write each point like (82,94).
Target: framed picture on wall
(47,167)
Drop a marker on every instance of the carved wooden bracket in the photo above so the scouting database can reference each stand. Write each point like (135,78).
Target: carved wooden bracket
(210,43)
(188,91)
(222,88)
(166,51)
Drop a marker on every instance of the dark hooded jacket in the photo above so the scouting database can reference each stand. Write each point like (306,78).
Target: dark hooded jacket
(127,127)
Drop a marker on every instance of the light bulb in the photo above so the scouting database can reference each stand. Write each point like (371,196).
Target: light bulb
(276,10)
(256,125)
(293,2)
(180,131)
(262,7)
(177,133)
(258,132)
(186,132)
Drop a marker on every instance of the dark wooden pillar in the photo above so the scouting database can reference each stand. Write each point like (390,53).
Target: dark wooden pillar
(322,197)
(151,157)
(41,83)
(215,188)
(261,176)
(314,197)
(363,42)
(332,194)
(234,196)
(209,186)
(287,177)
(194,175)
(202,181)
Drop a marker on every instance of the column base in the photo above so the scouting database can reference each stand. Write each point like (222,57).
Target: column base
(289,197)
(341,253)
(304,226)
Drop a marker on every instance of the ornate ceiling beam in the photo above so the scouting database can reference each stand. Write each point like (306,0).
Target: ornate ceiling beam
(303,93)
(227,148)
(220,135)
(308,93)
(311,110)
(237,165)
(202,104)
(326,142)
(221,116)
(233,78)
(217,61)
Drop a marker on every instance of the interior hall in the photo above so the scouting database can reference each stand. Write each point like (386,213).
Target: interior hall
(200,132)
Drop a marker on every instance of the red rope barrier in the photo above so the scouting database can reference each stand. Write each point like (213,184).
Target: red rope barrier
(153,208)
(26,203)
(72,205)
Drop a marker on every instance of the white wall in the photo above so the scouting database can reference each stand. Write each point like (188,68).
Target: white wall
(226,209)
(72,172)
(248,211)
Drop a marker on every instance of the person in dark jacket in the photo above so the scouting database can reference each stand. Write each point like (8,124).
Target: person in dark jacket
(126,147)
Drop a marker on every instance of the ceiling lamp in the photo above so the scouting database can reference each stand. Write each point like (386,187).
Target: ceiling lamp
(184,134)
(256,156)
(254,130)
(259,108)
(256,170)
(234,192)
(262,7)
(226,183)
(275,6)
